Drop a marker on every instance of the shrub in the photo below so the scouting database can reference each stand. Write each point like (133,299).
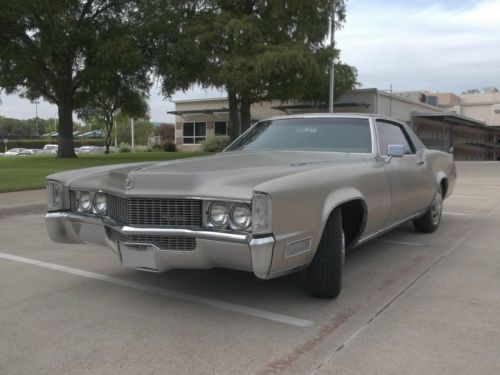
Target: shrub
(124,147)
(169,147)
(140,148)
(216,143)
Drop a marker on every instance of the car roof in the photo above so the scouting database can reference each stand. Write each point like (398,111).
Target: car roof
(333,115)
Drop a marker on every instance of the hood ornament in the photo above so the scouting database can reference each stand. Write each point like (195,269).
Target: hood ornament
(128,184)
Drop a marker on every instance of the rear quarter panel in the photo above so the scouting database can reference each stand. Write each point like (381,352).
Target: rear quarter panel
(440,165)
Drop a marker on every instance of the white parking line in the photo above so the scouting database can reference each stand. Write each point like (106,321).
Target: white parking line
(467,197)
(479,186)
(416,244)
(454,213)
(165,292)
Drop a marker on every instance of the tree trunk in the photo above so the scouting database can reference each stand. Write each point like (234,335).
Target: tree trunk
(109,133)
(245,116)
(66,147)
(234,115)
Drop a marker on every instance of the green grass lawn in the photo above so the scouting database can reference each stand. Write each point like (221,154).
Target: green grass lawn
(28,172)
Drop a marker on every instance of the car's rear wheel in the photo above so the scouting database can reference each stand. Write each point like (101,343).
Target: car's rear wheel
(429,222)
(324,276)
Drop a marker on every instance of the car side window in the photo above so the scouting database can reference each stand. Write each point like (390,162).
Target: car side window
(392,134)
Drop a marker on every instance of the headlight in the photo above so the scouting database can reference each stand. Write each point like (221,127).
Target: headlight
(100,203)
(84,202)
(217,213)
(261,214)
(241,216)
(54,196)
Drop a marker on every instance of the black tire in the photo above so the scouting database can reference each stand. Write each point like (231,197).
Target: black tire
(429,222)
(324,276)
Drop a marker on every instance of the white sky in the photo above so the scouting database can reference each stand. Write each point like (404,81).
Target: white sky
(436,45)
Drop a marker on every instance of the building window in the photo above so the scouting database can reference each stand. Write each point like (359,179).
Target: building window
(194,132)
(221,128)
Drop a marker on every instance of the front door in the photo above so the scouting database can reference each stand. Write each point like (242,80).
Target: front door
(408,181)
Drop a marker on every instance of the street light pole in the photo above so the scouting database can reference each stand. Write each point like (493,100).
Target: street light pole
(36,117)
(133,134)
(116,137)
(332,63)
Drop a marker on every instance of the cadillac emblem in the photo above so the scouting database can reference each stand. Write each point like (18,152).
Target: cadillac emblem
(128,184)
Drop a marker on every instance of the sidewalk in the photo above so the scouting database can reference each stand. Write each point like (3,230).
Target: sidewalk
(31,201)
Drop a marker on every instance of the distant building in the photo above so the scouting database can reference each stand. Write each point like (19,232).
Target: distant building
(483,106)
(439,128)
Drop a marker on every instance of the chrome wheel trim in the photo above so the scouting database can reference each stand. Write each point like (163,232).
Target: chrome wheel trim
(436,208)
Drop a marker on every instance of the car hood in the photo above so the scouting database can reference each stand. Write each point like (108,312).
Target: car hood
(225,175)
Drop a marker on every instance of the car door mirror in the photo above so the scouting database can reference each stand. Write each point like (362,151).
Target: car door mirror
(395,151)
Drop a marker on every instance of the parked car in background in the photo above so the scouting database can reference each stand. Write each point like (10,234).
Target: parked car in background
(291,193)
(91,134)
(27,151)
(50,149)
(14,151)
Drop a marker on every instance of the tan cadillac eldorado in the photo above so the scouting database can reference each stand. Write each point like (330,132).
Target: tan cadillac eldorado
(291,193)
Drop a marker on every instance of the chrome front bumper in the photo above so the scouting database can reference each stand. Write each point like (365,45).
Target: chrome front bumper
(213,249)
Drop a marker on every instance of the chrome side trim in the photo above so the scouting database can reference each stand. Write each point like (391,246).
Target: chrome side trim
(388,228)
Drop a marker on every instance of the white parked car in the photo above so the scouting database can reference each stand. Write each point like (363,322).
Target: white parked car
(50,149)
(27,151)
(14,151)
(85,149)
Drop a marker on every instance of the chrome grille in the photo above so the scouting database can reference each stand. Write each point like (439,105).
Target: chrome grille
(161,242)
(155,211)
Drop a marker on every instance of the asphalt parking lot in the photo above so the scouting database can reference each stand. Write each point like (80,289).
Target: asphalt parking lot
(411,304)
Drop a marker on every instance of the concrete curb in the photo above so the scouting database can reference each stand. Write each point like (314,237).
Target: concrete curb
(37,208)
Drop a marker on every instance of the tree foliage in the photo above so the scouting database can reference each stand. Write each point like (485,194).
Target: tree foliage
(10,127)
(54,49)
(94,56)
(254,49)
(120,82)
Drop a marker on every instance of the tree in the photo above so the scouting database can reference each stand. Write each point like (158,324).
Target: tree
(118,85)
(50,49)
(471,91)
(24,128)
(143,130)
(105,109)
(254,49)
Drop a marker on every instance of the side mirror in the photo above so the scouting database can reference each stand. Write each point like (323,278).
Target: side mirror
(395,151)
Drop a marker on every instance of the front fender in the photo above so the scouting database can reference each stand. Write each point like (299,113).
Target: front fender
(336,199)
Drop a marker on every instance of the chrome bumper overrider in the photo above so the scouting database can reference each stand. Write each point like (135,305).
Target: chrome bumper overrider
(213,249)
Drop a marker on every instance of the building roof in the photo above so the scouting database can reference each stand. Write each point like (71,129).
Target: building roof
(286,108)
(195,111)
(455,118)
(200,100)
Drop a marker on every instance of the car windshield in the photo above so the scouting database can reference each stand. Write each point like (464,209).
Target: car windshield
(334,134)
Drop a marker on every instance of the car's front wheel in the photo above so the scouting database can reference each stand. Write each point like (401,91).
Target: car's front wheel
(429,222)
(324,276)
